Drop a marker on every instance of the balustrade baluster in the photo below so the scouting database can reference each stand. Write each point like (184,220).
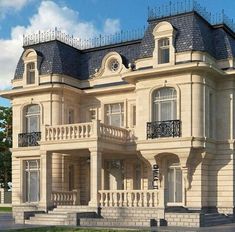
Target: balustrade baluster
(106,201)
(87,131)
(115,198)
(135,202)
(101,199)
(121,199)
(130,199)
(145,199)
(151,199)
(125,199)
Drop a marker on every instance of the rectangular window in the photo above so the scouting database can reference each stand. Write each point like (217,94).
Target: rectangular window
(164,51)
(31,73)
(175,185)
(32,180)
(114,114)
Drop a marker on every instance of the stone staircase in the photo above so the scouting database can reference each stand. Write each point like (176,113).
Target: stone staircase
(63,215)
(123,217)
(89,217)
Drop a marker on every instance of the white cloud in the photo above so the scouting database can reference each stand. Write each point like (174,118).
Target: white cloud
(6,6)
(48,16)
(111,26)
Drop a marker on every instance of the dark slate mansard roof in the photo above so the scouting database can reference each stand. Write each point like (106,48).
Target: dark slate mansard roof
(193,33)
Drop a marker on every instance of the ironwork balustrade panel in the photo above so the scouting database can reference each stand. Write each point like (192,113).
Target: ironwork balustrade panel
(29,139)
(161,129)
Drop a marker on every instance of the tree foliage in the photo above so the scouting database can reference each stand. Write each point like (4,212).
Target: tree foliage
(5,145)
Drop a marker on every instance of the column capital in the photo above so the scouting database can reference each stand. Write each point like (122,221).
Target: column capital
(95,150)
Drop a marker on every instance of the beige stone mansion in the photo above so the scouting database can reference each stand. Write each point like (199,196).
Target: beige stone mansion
(133,132)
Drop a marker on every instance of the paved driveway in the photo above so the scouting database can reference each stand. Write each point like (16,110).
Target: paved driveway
(7,222)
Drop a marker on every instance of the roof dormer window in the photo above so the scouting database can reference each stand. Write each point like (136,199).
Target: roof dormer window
(31,73)
(31,63)
(163,51)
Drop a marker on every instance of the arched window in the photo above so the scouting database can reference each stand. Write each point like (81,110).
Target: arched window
(164,104)
(164,51)
(32,118)
(31,73)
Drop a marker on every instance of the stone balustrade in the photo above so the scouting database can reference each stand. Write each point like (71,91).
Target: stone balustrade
(65,197)
(69,131)
(113,133)
(129,198)
(87,130)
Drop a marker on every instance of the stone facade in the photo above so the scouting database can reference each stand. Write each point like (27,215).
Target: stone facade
(143,137)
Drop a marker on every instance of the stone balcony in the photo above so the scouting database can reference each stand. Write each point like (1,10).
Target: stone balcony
(75,133)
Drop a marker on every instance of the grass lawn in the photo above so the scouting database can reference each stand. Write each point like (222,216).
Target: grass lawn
(5,209)
(67,229)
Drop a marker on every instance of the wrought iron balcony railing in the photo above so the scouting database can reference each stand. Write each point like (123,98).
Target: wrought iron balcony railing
(161,129)
(29,139)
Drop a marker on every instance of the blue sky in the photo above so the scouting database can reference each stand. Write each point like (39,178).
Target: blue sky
(82,18)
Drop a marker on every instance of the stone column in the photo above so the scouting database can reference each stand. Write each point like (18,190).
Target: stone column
(46,180)
(95,176)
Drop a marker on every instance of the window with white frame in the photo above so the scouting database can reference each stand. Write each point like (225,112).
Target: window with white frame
(31,73)
(164,104)
(175,184)
(32,180)
(114,114)
(32,118)
(164,51)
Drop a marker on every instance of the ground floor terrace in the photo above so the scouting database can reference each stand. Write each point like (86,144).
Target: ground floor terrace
(118,183)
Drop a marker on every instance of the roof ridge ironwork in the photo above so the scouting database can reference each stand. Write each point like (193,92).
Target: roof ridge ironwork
(173,8)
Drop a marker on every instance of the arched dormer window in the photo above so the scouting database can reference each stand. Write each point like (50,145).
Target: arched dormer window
(31,73)
(32,118)
(32,61)
(164,51)
(164,104)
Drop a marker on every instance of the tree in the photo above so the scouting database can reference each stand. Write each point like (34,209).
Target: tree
(5,145)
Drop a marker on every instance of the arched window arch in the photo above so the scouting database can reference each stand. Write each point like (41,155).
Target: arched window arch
(31,73)
(164,102)
(32,118)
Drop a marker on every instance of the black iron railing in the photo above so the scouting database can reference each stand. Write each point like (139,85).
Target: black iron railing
(81,43)
(29,139)
(172,8)
(161,129)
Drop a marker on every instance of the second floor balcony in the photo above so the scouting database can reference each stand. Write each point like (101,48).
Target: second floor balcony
(78,131)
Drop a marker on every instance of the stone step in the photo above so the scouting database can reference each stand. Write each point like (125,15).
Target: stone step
(118,222)
(79,214)
(51,216)
(216,219)
(94,210)
(45,219)
(43,222)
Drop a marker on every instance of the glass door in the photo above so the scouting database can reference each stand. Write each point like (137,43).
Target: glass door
(175,185)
